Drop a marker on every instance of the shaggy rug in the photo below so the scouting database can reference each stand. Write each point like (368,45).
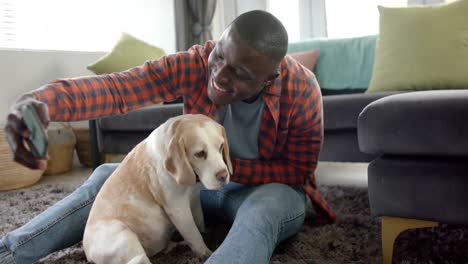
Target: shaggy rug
(355,239)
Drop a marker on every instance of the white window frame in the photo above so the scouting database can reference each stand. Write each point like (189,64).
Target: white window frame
(148,20)
(312,14)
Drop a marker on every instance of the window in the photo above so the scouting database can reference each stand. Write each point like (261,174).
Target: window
(287,14)
(84,25)
(7,23)
(306,19)
(355,18)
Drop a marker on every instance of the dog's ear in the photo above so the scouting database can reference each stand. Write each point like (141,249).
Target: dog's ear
(177,163)
(226,156)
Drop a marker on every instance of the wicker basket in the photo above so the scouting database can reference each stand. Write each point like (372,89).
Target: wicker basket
(61,147)
(83,146)
(12,174)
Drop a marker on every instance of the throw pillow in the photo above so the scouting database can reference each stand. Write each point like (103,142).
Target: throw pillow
(421,48)
(128,52)
(344,64)
(307,58)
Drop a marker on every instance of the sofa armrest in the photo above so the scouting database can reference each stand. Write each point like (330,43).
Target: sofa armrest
(431,123)
(137,122)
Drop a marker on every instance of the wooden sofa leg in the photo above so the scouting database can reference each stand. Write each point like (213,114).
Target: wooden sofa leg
(392,227)
(110,157)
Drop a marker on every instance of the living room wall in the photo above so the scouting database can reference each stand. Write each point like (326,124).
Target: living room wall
(23,70)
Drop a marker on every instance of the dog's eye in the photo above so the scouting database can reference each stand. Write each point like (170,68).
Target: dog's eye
(201,154)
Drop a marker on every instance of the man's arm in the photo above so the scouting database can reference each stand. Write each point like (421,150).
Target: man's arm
(167,79)
(298,159)
(95,96)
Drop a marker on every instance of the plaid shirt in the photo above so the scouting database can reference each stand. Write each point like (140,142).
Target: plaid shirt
(291,129)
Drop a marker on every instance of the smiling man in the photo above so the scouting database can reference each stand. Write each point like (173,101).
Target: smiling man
(269,104)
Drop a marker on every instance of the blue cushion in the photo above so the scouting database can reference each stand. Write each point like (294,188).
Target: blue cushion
(343,63)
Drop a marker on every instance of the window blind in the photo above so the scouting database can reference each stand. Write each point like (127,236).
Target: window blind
(7,23)
(84,25)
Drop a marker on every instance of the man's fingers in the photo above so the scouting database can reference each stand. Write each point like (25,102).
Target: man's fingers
(11,138)
(42,164)
(17,133)
(16,124)
(20,153)
(25,157)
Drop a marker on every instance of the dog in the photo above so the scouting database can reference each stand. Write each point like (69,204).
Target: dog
(153,192)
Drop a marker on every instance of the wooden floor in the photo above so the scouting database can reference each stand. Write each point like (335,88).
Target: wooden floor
(329,173)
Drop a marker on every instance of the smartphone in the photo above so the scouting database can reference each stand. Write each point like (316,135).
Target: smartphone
(37,141)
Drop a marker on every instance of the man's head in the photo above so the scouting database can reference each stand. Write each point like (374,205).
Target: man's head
(246,57)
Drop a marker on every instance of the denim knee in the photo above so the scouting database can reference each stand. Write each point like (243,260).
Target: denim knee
(276,209)
(102,173)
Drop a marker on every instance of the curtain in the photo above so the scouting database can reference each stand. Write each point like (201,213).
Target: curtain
(193,22)
(202,14)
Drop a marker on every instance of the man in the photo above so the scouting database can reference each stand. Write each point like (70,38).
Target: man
(272,111)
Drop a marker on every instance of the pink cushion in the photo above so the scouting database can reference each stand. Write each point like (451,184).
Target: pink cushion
(307,58)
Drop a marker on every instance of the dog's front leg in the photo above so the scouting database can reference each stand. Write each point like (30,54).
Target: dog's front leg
(181,216)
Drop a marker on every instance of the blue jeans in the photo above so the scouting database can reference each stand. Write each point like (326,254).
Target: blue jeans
(261,217)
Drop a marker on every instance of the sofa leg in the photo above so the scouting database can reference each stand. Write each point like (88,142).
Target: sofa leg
(111,157)
(392,227)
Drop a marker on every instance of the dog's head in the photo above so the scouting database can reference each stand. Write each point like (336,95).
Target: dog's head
(197,146)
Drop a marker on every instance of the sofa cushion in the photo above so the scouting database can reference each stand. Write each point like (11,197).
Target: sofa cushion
(127,53)
(422,48)
(343,63)
(416,123)
(342,111)
(307,58)
(342,146)
(120,142)
(143,119)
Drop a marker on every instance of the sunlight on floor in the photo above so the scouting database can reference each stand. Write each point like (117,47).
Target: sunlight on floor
(342,173)
(327,173)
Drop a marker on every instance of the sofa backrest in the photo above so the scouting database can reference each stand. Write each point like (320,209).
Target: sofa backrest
(343,64)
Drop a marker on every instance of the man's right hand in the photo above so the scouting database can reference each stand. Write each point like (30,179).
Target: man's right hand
(17,132)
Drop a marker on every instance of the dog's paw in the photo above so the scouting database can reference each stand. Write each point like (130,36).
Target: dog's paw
(141,259)
(203,229)
(204,256)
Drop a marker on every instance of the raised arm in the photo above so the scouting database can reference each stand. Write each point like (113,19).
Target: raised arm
(89,97)
(95,96)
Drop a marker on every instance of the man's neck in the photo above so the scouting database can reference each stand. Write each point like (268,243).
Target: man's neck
(254,98)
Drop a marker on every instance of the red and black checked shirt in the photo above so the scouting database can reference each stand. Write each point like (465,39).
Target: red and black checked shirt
(291,129)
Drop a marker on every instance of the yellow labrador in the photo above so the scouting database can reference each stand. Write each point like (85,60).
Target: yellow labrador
(153,191)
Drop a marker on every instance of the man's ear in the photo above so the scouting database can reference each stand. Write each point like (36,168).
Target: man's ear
(272,77)
(275,74)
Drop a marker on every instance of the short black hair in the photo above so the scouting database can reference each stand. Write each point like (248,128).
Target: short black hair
(263,32)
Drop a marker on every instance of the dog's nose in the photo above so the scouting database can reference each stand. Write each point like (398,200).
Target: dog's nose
(222,175)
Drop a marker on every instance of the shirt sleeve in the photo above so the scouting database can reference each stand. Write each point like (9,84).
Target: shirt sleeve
(162,80)
(297,161)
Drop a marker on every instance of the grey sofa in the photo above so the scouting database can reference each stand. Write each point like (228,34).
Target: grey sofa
(420,176)
(118,134)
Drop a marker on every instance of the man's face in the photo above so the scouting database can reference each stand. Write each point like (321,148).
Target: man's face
(236,71)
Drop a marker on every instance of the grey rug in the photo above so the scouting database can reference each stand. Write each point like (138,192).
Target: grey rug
(355,239)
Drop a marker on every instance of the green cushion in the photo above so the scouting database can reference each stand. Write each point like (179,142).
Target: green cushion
(127,53)
(421,48)
(342,63)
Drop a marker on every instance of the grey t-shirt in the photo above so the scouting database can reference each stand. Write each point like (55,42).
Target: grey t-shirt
(242,123)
